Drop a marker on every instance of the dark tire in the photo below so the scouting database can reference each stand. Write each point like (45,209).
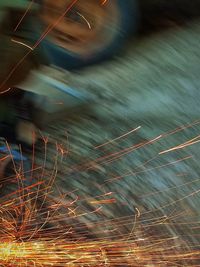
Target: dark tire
(127,24)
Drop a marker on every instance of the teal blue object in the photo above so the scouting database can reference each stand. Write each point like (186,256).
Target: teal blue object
(16,155)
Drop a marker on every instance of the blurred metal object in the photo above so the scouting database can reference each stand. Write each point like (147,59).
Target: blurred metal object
(52,98)
(20,56)
(88,25)
(17,38)
(21,68)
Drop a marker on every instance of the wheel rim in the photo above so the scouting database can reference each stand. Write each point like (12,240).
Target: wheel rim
(88,26)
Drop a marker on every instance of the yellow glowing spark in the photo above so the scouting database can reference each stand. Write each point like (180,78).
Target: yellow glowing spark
(5,91)
(138,212)
(117,138)
(19,42)
(84,18)
(104,2)
(104,201)
(184,145)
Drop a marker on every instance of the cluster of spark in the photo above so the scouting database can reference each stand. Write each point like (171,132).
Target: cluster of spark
(53,247)
(39,228)
(47,253)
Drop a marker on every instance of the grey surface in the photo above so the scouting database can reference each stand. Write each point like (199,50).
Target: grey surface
(155,86)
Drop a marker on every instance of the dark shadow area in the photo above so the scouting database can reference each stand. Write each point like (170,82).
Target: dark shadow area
(156,15)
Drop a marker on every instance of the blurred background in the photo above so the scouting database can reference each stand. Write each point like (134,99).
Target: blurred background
(133,150)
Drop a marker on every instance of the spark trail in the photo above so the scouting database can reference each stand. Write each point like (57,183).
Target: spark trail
(40,225)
